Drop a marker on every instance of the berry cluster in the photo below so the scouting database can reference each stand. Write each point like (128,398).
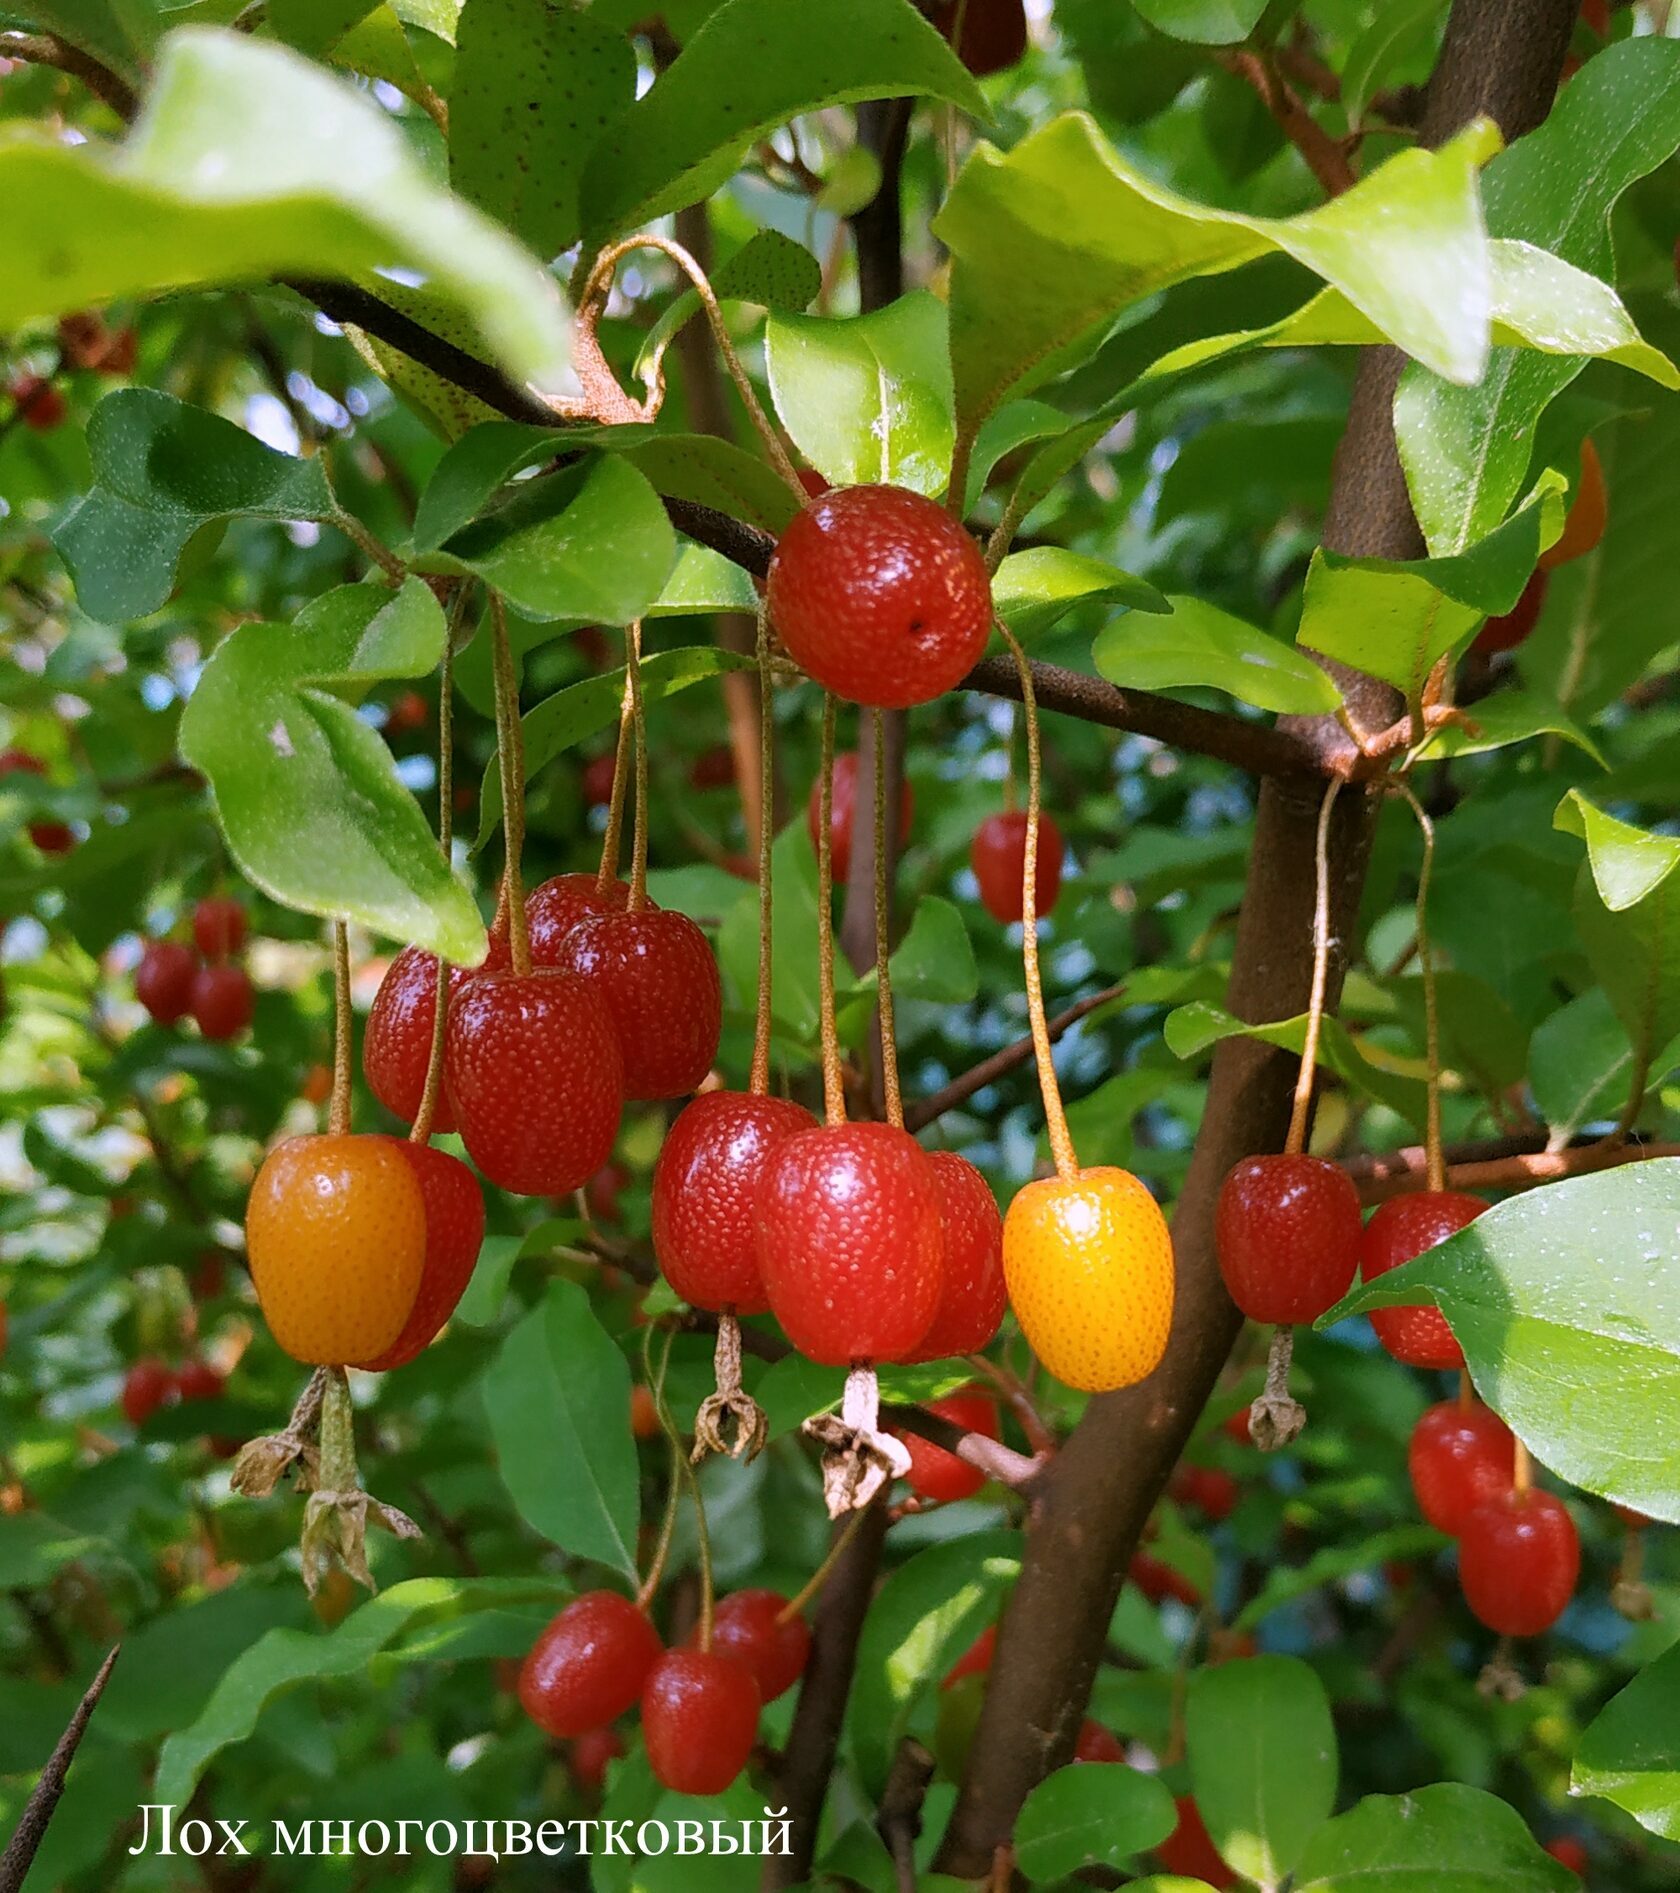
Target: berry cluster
(204,980)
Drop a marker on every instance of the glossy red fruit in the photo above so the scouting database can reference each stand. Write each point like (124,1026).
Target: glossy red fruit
(1097,1744)
(589,1665)
(1210,1490)
(222,1001)
(598,779)
(1189,1848)
(147,1385)
(1287,1233)
(1459,1458)
(1518,1559)
(535,1080)
(658,978)
(163,981)
(555,908)
(850,1242)
(1159,1580)
(397,1045)
(973,1298)
(998,857)
(198,1380)
(219,925)
(1568,1852)
(454,1207)
(49,837)
(976,1660)
(589,1755)
(842,813)
(994,33)
(1402,1228)
(880,595)
(940,1475)
(40,405)
(699,1719)
(1507,631)
(705,1188)
(746,1626)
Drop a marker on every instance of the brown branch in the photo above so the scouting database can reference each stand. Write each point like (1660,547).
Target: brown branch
(899,1822)
(1323,155)
(1400,1171)
(43,1800)
(1001,1063)
(47,49)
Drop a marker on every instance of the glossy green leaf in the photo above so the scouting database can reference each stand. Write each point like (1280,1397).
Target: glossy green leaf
(1507,717)
(307,794)
(1203,22)
(1090,1814)
(1032,590)
(1444,1839)
(475,466)
(313,26)
(1202,645)
(704,581)
(1628,864)
(1011,426)
(718,474)
(1581,1064)
(121,37)
(793,941)
(935,959)
(1630,1752)
(1395,43)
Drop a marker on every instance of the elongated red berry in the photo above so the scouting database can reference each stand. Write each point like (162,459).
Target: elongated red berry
(994,33)
(880,595)
(590,1754)
(850,1242)
(842,813)
(1287,1232)
(1402,1229)
(1459,1457)
(163,981)
(699,1719)
(147,1385)
(589,1665)
(1159,1580)
(938,1474)
(218,925)
(556,907)
(998,857)
(222,1001)
(1210,1489)
(454,1207)
(397,1045)
(1518,1558)
(973,1298)
(1189,1848)
(535,1079)
(657,976)
(705,1188)
(749,1626)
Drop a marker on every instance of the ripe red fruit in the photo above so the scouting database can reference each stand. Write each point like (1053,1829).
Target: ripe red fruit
(598,779)
(39,404)
(1159,1580)
(746,1627)
(880,595)
(811,480)
(397,1046)
(699,1719)
(998,856)
(850,1243)
(1236,1427)
(1506,632)
(1459,1458)
(705,1186)
(198,1380)
(1287,1232)
(218,926)
(454,1207)
(406,711)
(1402,1228)
(976,1660)
(1213,1492)
(940,1475)
(1189,1848)
(1518,1559)
(589,1665)
(49,837)
(1568,1852)
(222,1001)
(842,813)
(590,1754)
(535,1080)
(713,768)
(994,33)
(555,908)
(658,978)
(1097,1744)
(973,1298)
(147,1385)
(163,981)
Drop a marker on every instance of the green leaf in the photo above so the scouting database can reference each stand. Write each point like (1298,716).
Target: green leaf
(118,36)
(1203,22)
(1063,233)
(1397,41)
(1090,1814)
(1580,1064)
(1262,1761)
(1444,1839)
(793,940)
(703,581)
(1466,449)
(716,473)
(1285,1583)
(1032,590)
(935,959)
(557,1398)
(311,803)
(867,398)
(214,185)
(1630,1752)
(313,26)
(771,270)
(752,66)
(1628,864)
(1555,1295)
(1509,716)
(1202,645)
(475,466)
(535,86)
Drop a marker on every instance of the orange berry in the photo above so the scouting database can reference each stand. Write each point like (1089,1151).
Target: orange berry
(1589,512)
(644,1413)
(317,1084)
(335,1232)
(1089,1265)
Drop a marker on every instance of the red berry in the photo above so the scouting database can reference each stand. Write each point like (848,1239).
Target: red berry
(535,1080)
(976,1660)
(602,1191)
(994,33)
(842,813)
(556,907)
(880,595)
(705,1186)
(973,1299)
(748,1626)
(407,711)
(82,338)
(397,1046)
(598,775)
(222,1001)
(699,1719)
(1634,1521)
(163,981)
(644,1413)
(812,481)
(49,837)
(658,978)
(121,353)
(850,1244)
(1505,633)
(1213,1493)
(998,856)
(1402,1228)
(198,1380)
(940,1475)
(39,403)
(1159,1581)
(1568,1852)
(1236,1427)
(454,1207)
(218,926)
(1097,1744)
(1518,1559)
(1459,1458)
(713,768)
(590,1754)
(589,1665)
(1189,1848)
(146,1387)
(209,1279)
(1287,1232)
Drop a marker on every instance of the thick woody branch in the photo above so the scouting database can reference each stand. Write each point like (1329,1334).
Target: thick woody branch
(1399,1171)
(47,49)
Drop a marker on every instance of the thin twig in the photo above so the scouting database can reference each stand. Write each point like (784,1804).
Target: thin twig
(43,1800)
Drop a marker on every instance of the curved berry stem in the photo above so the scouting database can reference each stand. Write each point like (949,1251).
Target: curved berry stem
(338,1115)
(759,1083)
(421,1131)
(510,755)
(814,1583)
(612,839)
(834,1090)
(1301,1113)
(883,945)
(633,689)
(1435,1161)
(649,1586)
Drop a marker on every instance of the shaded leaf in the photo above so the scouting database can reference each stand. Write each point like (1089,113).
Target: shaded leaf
(1032,590)
(1090,1814)
(1444,1839)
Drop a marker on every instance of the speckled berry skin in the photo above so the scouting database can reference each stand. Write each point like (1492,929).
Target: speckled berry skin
(163,981)
(218,925)
(973,1299)
(842,813)
(880,595)
(397,1045)
(1089,1265)
(335,1233)
(1518,1559)
(1287,1232)
(589,1665)
(940,1475)
(998,856)
(1400,1230)
(454,1206)
(657,976)
(705,1186)
(535,1079)
(222,1001)
(556,907)
(745,1627)
(699,1719)
(1459,1457)
(850,1242)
